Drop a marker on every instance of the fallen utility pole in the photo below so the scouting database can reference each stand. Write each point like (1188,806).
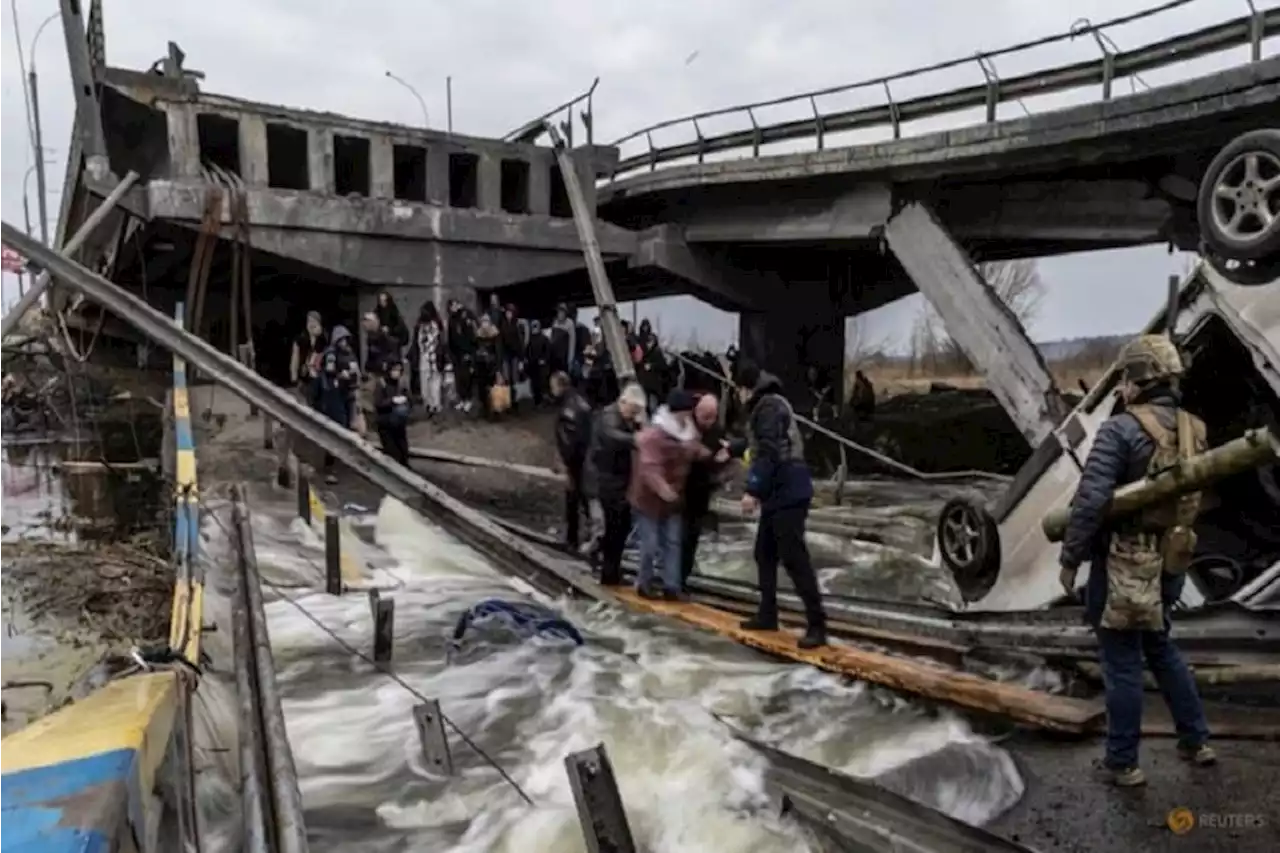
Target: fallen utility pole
(584,218)
(1255,448)
(33,294)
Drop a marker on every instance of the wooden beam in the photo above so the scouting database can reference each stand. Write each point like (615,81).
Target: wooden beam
(1042,710)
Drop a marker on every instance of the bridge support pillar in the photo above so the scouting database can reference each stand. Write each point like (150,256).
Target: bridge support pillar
(802,329)
(984,327)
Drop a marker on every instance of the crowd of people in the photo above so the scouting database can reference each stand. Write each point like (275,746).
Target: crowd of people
(647,456)
(657,476)
(465,361)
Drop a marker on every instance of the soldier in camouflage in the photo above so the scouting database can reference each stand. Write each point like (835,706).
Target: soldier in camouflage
(1137,563)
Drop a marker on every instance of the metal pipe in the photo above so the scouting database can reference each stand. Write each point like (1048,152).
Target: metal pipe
(35,39)
(88,124)
(253,765)
(78,239)
(584,216)
(284,796)
(42,200)
(26,218)
(448,101)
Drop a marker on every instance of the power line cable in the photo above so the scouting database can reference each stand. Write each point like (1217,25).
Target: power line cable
(22,67)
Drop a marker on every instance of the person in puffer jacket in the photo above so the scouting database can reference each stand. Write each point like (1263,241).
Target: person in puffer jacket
(780,487)
(664,452)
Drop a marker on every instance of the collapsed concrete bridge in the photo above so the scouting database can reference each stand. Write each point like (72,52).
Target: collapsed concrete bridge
(328,209)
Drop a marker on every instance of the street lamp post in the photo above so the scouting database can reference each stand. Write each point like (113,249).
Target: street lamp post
(42,200)
(448,102)
(26,219)
(426,119)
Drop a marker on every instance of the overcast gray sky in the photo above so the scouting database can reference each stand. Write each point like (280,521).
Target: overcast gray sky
(510,60)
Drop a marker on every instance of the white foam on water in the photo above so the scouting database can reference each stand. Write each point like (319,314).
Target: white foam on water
(686,782)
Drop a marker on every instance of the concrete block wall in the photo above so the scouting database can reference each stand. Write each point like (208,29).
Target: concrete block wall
(487,156)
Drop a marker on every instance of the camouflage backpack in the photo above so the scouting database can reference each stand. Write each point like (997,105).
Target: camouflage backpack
(1160,538)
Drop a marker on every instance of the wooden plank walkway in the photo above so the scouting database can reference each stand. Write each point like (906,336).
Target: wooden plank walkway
(919,677)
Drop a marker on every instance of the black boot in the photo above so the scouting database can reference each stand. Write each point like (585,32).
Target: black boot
(815,637)
(651,591)
(758,623)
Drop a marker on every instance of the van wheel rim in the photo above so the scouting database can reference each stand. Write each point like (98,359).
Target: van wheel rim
(1246,197)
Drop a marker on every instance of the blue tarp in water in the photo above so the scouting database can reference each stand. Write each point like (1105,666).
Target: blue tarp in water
(522,618)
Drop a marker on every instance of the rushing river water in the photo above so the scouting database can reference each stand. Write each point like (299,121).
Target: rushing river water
(648,689)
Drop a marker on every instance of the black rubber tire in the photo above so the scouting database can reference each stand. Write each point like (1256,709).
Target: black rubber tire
(1264,246)
(976,574)
(1217,576)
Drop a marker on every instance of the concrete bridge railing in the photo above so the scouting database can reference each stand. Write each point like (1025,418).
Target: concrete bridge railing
(1112,64)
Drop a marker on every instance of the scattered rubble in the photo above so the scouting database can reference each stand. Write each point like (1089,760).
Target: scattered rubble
(116,591)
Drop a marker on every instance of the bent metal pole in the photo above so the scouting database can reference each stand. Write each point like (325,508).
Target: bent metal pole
(584,218)
(82,234)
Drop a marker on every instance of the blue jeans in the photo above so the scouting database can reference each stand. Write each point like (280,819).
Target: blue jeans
(659,551)
(1122,654)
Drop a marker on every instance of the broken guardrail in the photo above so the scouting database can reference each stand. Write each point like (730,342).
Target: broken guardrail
(1247,30)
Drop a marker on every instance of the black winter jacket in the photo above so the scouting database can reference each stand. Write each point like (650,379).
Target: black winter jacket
(573,429)
(462,334)
(613,440)
(380,350)
(1120,455)
(778,476)
(702,474)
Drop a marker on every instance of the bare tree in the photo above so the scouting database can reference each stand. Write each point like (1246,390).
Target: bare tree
(1016,283)
(862,346)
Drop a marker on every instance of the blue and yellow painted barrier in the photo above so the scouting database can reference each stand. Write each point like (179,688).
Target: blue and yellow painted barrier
(82,779)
